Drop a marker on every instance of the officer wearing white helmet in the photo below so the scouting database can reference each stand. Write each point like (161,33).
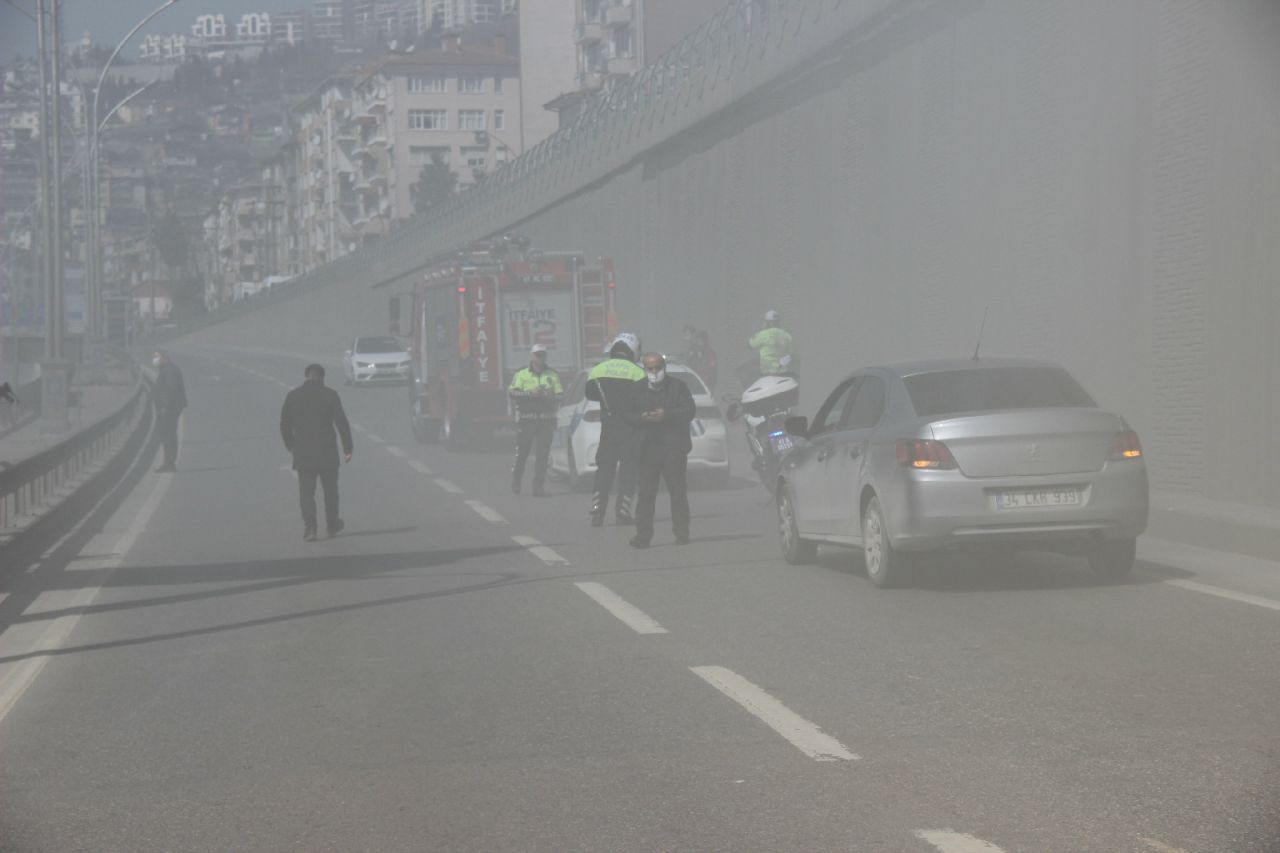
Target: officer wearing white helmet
(536,391)
(613,385)
(774,345)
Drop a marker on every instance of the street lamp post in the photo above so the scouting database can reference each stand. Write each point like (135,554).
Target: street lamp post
(94,257)
(55,373)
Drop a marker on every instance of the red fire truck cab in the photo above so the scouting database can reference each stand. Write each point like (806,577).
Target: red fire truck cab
(473,319)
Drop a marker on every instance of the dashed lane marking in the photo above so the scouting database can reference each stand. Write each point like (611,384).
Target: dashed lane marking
(376,439)
(1160,845)
(956,842)
(802,734)
(488,514)
(447,486)
(395,451)
(630,615)
(420,467)
(1243,597)
(542,552)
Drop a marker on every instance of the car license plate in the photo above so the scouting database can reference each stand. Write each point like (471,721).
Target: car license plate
(1033,498)
(781,444)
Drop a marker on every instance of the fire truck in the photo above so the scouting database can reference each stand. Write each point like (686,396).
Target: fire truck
(472,319)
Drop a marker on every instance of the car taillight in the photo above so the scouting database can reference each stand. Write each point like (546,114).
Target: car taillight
(591,416)
(1126,446)
(925,453)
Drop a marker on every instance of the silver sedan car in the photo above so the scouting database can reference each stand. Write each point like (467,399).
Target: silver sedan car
(1007,453)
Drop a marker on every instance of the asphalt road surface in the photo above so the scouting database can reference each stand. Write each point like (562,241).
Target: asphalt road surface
(467,670)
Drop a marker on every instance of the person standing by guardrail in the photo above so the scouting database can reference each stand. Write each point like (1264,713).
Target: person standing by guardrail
(170,395)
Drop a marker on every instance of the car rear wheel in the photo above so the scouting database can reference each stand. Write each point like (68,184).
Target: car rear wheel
(1113,559)
(795,550)
(886,568)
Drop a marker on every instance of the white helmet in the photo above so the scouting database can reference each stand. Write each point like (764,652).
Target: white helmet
(772,317)
(538,348)
(628,340)
(769,386)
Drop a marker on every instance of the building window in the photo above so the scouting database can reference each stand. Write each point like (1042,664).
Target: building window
(429,120)
(497,85)
(476,158)
(471,120)
(499,120)
(434,85)
(421,155)
(471,85)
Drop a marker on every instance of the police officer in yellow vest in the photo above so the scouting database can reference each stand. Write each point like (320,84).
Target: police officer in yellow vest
(774,344)
(613,384)
(536,391)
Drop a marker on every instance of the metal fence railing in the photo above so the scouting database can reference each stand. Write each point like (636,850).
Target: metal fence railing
(34,482)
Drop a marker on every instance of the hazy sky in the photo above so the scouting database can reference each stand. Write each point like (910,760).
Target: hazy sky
(108,20)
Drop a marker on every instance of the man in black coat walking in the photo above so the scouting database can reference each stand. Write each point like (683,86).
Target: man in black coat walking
(170,395)
(661,410)
(311,414)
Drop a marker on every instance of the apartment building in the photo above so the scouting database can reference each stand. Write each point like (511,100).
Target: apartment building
(323,195)
(451,15)
(460,104)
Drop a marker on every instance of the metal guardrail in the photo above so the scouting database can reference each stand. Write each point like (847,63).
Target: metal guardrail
(27,485)
(743,48)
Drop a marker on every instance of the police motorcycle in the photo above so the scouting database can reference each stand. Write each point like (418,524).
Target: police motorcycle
(763,408)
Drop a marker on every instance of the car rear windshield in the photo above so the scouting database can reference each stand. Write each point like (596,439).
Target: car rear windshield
(379,345)
(994,389)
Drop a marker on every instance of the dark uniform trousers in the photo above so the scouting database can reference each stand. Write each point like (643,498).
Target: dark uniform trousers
(534,433)
(674,471)
(614,457)
(167,428)
(328,477)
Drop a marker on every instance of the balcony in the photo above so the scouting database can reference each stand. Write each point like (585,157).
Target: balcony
(589,32)
(622,66)
(617,16)
(590,79)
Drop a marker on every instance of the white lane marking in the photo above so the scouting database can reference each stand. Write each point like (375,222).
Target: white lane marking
(1244,597)
(447,486)
(395,451)
(31,569)
(420,467)
(956,842)
(542,552)
(24,673)
(630,615)
(490,515)
(803,735)
(1160,845)
(376,439)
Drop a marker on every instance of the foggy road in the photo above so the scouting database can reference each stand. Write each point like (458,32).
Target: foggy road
(465,669)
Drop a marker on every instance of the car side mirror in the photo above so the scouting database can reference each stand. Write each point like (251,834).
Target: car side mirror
(732,412)
(797,426)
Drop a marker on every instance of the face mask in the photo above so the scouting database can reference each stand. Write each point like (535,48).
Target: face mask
(656,376)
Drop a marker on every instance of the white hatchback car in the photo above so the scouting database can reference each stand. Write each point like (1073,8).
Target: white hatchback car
(375,360)
(573,449)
